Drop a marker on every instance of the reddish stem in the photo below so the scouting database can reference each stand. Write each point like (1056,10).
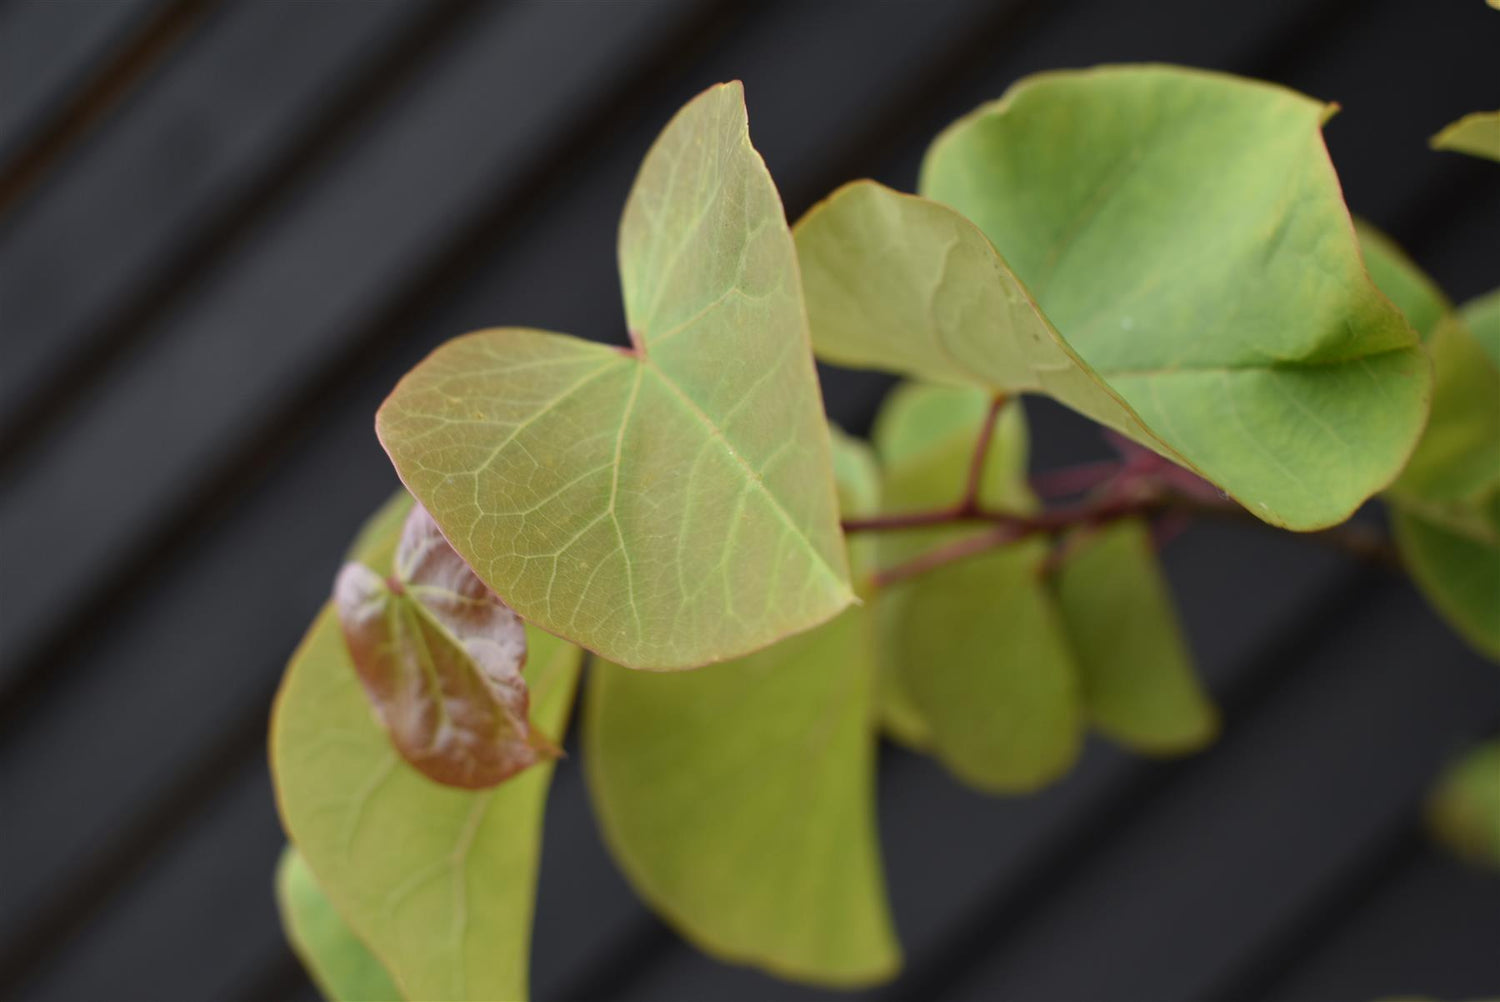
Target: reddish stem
(970,499)
(1071,480)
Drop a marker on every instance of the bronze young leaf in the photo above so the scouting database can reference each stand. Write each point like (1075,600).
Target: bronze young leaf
(440,657)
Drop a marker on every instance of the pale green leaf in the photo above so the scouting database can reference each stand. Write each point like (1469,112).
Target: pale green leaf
(857,475)
(976,664)
(1415,294)
(667,506)
(985,659)
(1482,317)
(342,967)
(1477,133)
(926,436)
(439,882)
(1453,552)
(1174,260)
(1464,810)
(740,800)
(1458,456)
(1139,687)
(1445,506)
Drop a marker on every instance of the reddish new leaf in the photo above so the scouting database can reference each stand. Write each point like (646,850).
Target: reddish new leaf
(440,657)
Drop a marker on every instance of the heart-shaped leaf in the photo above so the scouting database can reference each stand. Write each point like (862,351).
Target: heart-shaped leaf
(1445,506)
(1453,552)
(438,881)
(342,967)
(980,669)
(1477,134)
(440,658)
(1165,251)
(740,801)
(1458,456)
(666,506)
(1139,687)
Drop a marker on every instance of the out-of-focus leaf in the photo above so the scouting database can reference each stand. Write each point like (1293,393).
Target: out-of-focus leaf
(1138,681)
(669,506)
(1458,456)
(857,474)
(1445,506)
(342,967)
(926,437)
(1477,134)
(1464,810)
(740,800)
(985,658)
(1453,552)
(979,668)
(1482,317)
(438,882)
(1397,275)
(1185,234)
(440,658)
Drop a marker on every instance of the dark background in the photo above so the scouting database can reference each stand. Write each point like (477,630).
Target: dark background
(226,228)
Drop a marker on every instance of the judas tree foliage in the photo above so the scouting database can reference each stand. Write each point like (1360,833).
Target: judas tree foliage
(760,597)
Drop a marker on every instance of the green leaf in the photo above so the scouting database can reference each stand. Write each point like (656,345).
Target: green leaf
(857,475)
(740,801)
(1458,456)
(1168,253)
(1445,506)
(1477,134)
(1464,810)
(984,657)
(440,659)
(666,506)
(978,664)
(1408,286)
(439,882)
(1138,681)
(341,966)
(1482,317)
(1453,552)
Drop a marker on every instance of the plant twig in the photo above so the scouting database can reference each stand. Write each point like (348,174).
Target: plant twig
(1141,500)
(970,500)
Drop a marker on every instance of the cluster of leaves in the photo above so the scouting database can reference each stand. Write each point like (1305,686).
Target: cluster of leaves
(1165,251)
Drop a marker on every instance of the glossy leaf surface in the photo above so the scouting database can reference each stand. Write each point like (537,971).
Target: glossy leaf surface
(1464,810)
(342,967)
(981,669)
(440,659)
(440,882)
(1174,260)
(1139,687)
(740,800)
(1477,134)
(669,506)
